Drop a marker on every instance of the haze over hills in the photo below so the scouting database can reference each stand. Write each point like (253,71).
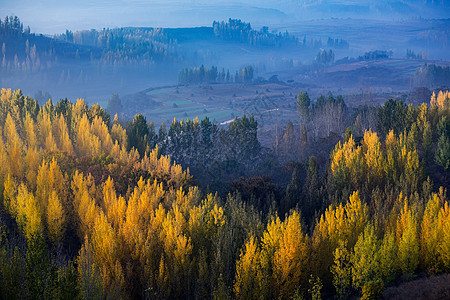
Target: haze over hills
(94,49)
(224,149)
(57,16)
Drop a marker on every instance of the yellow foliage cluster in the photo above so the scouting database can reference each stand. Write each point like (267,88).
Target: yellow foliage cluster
(372,163)
(145,232)
(441,101)
(121,234)
(338,224)
(399,248)
(276,267)
(160,238)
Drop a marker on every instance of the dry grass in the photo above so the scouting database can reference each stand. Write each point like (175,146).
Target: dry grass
(433,287)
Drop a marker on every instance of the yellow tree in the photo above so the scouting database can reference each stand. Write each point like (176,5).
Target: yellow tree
(284,253)
(341,270)
(106,251)
(118,133)
(46,132)
(49,180)
(113,206)
(13,147)
(84,205)
(27,212)
(391,156)
(290,259)
(30,132)
(61,132)
(422,118)
(412,170)
(339,158)
(388,257)
(348,163)
(408,241)
(9,194)
(433,101)
(442,100)
(79,109)
(357,216)
(365,260)
(430,234)
(177,250)
(343,223)
(6,99)
(444,241)
(101,131)
(86,143)
(269,243)
(32,156)
(329,230)
(4,163)
(32,159)
(246,285)
(373,156)
(56,218)
(89,280)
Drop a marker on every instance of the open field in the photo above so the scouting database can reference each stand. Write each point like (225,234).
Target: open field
(221,102)
(274,103)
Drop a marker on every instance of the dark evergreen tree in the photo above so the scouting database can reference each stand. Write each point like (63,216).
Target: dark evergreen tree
(442,156)
(303,103)
(138,134)
(115,105)
(311,188)
(294,194)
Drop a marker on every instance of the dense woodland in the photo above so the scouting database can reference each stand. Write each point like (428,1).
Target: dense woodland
(91,208)
(238,31)
(377,54)
(204,75)
(216,155)
(127,45)
(325,57)
(26,52)
(432,75)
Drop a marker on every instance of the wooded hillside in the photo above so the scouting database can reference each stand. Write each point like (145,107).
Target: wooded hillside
(91,209)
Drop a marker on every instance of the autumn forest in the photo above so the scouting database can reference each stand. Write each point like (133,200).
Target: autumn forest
(191,149)
(86,214)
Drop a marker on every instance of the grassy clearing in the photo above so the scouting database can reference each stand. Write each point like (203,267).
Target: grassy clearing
(180,103)
(162,91)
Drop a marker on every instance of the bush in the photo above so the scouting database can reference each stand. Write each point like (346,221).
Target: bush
(372,290)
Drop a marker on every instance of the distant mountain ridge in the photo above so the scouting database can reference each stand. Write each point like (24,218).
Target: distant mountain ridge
(380,9)
(56,16)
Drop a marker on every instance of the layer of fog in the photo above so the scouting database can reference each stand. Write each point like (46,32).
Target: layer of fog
(55,16)
(401,28)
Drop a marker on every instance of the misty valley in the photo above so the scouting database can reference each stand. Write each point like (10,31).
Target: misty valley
(303,158)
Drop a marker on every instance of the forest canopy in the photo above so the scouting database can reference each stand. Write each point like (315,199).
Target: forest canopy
(91,208)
